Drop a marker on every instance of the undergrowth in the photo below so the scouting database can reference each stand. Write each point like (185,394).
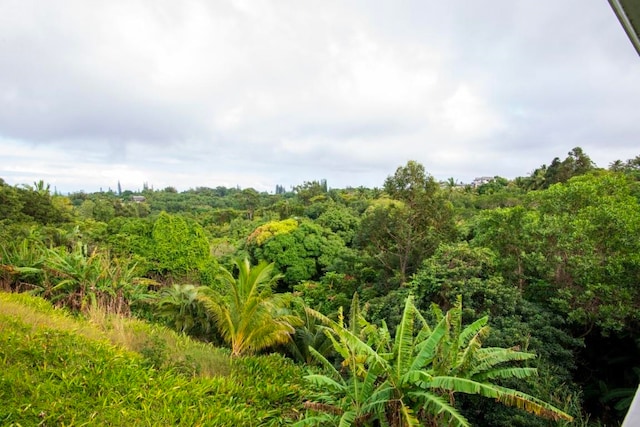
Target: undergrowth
(56,369)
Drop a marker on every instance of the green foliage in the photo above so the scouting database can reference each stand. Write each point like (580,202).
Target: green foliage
(414,377)
(81,279)
(473,272)
(576,163)
(183,310)
(77,278)
(343,221)
(631,167)
(586,230)
(179,246)
(510,232)
(577,238)
(332,292)
(21,265)
(10,203)
(459,269)
(271,229)
(303,253)
(58,376)
(555,268)
(308,337)
(32,204)
(311,191)
(399,235)
(250,317)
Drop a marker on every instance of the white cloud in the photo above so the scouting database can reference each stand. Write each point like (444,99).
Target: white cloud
(468,115)
(259,93)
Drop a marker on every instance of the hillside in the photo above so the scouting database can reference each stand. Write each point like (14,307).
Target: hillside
(56,369)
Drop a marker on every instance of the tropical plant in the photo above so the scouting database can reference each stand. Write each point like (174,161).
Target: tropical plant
(21,265)
(250,317)
(183,310)
(309,335)
(414,378)
(78,279)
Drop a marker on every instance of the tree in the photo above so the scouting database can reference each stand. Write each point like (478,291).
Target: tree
(81,279)
(10,203)
(250,317)
(341,220)
(387,236)
(460,269)
(511,233)
(311,191)
(179,245)
(576,163)
(631,167)
(249,200)
(103,210)
(414,377)
(41,188)
(400,233)
(300,250)
(37,205)
(584,232)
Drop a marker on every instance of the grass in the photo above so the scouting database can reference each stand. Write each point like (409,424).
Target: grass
(56,369)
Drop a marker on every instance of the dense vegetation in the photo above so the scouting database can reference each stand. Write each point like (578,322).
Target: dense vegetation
(59,370)
(382,298)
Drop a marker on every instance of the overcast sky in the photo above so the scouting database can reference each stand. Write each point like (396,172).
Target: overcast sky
(257,93)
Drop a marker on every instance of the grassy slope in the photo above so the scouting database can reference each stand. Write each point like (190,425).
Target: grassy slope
(59,370)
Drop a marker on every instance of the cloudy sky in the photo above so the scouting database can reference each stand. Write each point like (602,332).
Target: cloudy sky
(263,92)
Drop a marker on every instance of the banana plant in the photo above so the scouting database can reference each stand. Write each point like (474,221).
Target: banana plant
(413,379)
(21,266)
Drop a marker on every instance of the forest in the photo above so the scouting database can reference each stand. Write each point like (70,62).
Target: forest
(510,302)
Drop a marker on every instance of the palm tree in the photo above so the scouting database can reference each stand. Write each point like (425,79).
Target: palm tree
(616,166)
(41,188)
(251,317)
(309,335)
(181,306)
(417,375)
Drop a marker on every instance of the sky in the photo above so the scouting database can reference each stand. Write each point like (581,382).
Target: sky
(259,93)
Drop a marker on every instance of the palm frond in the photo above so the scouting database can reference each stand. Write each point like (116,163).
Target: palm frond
(251,318)
(425,329)
(419,377)
(377,400)
(410,420)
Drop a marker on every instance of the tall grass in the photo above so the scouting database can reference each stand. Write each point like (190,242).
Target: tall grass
(57,369)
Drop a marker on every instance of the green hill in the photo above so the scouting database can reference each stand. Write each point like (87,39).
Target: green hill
(56,369)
